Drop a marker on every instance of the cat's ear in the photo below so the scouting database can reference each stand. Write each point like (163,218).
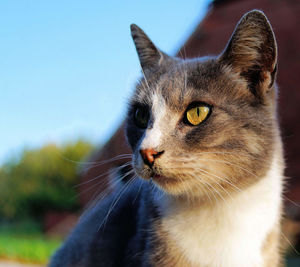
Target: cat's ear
(252,52)
(150,56)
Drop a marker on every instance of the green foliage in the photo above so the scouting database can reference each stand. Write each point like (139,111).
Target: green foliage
(24,241)
(36,248)
(41,180)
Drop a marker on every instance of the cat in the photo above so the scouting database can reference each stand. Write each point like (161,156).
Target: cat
(206,145)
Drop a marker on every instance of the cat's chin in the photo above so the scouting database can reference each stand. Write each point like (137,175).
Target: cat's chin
(181,188)
(163,180)
(175,186)
(167,184)
(171,186)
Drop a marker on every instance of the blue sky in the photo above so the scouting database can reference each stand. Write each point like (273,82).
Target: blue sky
(67,67)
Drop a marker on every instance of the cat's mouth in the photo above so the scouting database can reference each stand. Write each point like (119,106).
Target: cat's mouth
(157,176)
(162,180)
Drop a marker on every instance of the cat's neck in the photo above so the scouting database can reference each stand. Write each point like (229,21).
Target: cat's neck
(214,233)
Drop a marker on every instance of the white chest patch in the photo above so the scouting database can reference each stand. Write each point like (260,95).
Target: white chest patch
(228,235)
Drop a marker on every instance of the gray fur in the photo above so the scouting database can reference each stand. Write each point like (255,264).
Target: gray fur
(239,87)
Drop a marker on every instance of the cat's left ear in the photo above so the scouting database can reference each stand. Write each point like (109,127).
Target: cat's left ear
(151,58)
(252,52)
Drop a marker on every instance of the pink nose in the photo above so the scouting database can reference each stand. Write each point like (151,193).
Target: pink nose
(149,155)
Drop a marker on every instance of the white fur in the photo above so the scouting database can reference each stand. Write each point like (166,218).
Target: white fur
(153,136)
(232,234)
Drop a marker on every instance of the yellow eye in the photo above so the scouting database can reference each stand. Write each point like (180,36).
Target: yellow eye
(197,114)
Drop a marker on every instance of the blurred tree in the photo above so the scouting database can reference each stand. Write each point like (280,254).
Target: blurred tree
(41,180)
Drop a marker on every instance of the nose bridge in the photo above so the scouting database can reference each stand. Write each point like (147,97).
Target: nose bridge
(153,136)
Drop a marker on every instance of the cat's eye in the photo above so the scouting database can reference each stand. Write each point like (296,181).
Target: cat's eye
(197,114)
(141,117)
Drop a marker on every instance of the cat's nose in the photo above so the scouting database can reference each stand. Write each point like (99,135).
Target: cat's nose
(149,155)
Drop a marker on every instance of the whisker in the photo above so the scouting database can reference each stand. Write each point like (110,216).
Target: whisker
(214,190)
(290,243)
(101,196)
(137,194)
(113,170)
(107,190)
(128,183)
(236,153)
(230,163)
(121,156)
(208,176)
(293,202)
(202,183)
(187,189)
(219,177)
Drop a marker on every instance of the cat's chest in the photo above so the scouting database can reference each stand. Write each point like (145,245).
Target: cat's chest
(230,233)
(209,240)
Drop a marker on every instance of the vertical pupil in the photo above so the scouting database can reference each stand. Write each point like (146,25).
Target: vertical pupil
(198,111)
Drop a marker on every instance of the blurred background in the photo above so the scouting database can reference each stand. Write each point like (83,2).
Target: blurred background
(67,69)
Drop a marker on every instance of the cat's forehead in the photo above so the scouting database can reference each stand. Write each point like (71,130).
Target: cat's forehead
(185,82)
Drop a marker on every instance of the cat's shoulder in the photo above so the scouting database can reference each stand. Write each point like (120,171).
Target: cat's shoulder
(99,237)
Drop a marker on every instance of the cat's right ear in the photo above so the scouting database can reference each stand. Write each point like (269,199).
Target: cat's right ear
(150,56)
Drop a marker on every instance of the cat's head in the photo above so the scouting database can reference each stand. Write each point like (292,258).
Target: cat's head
(206,126)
